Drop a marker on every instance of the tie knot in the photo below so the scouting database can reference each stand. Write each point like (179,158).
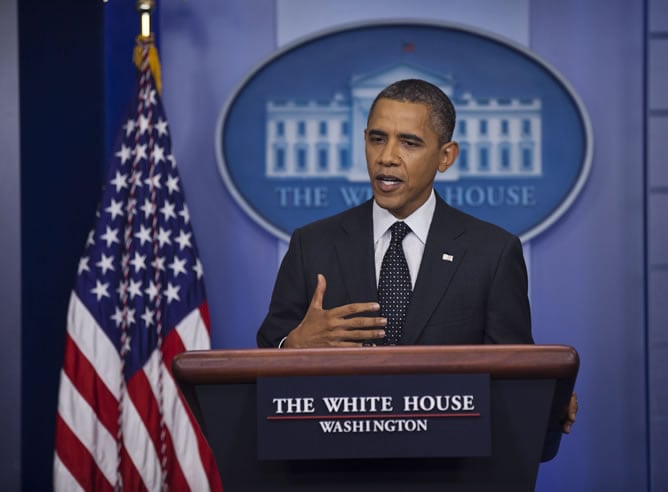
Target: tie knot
(399,231)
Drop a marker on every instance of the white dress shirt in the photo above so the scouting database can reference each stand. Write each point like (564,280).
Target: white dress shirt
(413,244)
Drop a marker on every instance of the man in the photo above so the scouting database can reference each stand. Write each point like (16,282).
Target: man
(464,280)
(468,278)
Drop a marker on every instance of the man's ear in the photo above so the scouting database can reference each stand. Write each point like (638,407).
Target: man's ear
(448,155)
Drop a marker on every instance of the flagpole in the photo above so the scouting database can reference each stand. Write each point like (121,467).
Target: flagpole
(145,7)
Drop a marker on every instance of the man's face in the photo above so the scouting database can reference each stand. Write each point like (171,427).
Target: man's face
(403,155)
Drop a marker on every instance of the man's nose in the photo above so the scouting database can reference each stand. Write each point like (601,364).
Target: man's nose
(389,155)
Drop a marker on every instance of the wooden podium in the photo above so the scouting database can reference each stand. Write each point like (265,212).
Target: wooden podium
(530,390)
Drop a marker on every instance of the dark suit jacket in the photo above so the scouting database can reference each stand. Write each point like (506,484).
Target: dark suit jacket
(478,297)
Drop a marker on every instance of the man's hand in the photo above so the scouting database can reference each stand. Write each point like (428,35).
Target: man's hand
(569,419)
(335,327)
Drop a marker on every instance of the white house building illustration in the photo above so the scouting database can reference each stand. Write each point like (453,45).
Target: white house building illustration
(498,137)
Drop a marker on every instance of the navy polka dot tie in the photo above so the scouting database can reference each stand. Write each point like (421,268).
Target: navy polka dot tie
(394,285)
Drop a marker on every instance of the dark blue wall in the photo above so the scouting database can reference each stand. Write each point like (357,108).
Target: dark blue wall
(62,151)
(76,82)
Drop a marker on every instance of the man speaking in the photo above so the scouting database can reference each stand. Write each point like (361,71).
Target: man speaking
(403,268)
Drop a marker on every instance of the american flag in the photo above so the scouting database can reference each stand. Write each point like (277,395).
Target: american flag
(138,301)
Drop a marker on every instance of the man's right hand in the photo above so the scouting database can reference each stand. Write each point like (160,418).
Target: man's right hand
(335,327)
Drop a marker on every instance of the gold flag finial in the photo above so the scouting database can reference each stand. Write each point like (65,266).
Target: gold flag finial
(145,7)
(145,41)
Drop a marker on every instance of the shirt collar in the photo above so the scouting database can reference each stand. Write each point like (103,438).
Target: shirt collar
(419,221)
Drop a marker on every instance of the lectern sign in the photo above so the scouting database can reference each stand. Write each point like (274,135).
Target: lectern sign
(373,416)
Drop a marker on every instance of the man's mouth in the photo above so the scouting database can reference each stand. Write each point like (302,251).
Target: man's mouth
(388,183)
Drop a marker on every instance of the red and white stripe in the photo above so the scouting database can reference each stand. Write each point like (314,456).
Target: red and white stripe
(87,422)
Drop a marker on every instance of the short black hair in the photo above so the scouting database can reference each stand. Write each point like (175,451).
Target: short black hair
(440,106)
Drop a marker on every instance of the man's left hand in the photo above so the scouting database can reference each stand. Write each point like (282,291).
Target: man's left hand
(569,419)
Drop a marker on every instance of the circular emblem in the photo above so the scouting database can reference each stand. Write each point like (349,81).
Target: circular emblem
(290,141)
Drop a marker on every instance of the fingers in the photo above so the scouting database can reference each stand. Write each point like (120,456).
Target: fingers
(345,344)
(573,407)
(571,414)
(339,325)
(359,327)
(359,335)
(341,311)
(355,308)
(319,294)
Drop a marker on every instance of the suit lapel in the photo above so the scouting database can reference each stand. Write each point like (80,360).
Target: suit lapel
(435,272)
(355,254)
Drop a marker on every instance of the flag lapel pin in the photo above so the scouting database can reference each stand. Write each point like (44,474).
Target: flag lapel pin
(447,257)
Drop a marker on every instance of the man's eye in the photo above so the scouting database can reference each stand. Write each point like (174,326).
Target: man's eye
(410,143)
